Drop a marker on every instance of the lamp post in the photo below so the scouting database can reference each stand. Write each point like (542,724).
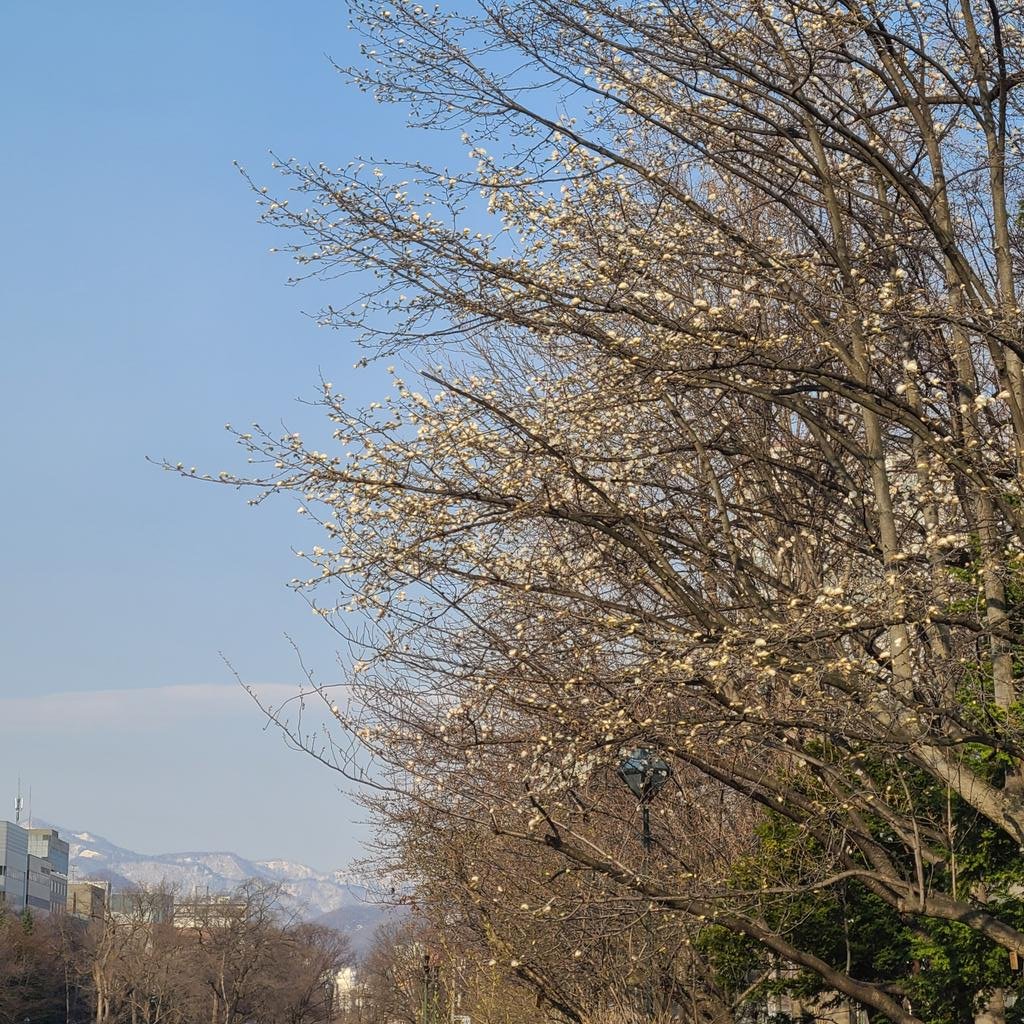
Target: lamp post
(645,773)
(431,979)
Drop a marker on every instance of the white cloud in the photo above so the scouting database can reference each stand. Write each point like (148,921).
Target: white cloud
(74,711)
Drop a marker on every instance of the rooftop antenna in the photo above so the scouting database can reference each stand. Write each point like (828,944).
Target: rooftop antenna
(29,806)
(18,804)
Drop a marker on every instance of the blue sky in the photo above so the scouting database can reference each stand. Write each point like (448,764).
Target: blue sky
(140,311)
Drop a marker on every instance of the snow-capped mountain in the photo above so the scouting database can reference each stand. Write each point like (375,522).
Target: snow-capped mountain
(341,897)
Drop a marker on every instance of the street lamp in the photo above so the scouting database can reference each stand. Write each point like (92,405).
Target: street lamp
(645,773)
(431,982)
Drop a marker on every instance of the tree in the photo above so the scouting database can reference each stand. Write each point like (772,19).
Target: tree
(717,449)
(235,946)
(417,970)
(391,974)
(300,987)
(543,938)
(225,958)
(40,979)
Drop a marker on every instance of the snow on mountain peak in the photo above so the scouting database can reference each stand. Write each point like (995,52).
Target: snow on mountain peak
(306,891)
(288,869)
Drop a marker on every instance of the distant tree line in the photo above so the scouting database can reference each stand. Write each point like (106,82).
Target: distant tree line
(419,972)
(227,961)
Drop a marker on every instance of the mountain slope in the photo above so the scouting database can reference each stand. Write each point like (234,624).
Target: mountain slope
(338,898)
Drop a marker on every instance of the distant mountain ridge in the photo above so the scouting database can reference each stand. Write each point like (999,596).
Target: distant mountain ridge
(340,898)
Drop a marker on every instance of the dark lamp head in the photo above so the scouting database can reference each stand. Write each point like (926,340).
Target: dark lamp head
(645,773)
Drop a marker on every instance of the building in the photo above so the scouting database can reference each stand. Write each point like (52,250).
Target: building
(88,900)
(45,845)
(213,910)
(346,994)
(139,905)
(37,889)
(33,869)
(13,866)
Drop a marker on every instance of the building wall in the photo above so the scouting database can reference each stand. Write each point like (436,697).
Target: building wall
(218,911)
(37,892)
(58,893)
(13,865)
(153,907)
(88,900)
(47,844)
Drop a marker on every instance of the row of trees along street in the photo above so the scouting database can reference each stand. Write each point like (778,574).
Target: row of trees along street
(238,959)
(706,437)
